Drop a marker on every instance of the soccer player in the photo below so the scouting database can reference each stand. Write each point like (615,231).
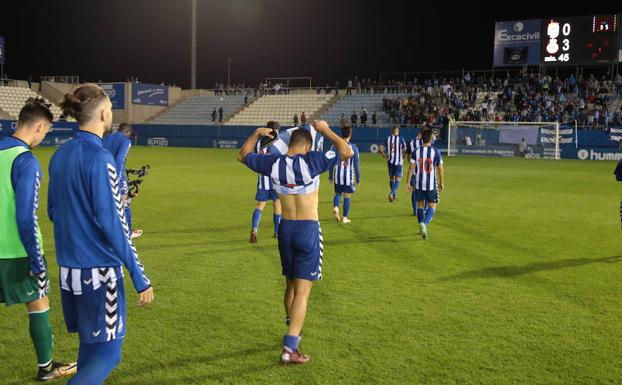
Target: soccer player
(395,146)
(92,238)
(300,237)
(410,151)
(344,174)
(119,145)
(265,192)
(23,268)
(428,160)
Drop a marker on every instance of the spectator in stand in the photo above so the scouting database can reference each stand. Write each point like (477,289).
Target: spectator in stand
(295,120)
(303,118)
(354,119)
(245,100)
(337,88)
(373,119)
(220,113)
(364,118)
(342,121)
(214,115)
(349,88)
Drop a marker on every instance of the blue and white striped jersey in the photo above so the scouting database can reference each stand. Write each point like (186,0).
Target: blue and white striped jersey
(282,144)
(415,144)
(292,175)
(427,160)
(395,146)
(346,172)
(263,182)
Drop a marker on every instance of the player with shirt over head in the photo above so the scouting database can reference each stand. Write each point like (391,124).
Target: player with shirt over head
(344,175)
(300,238)
(265,192)
(92,238)
(395,147)
(24,275)
(428,161)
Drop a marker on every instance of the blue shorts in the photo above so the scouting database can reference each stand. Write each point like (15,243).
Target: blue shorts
(343,189)
(430,196)
(395,170)
(266,195)
(301,248)
(98,314)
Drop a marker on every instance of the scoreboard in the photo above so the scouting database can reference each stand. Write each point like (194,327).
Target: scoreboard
(560,41)
(580,40)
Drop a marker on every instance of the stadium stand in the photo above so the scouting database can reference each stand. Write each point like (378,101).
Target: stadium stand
(357,102)
(198,110)
(281,108)
(12,100)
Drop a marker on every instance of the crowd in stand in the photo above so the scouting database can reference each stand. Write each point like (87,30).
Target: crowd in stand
(588,101)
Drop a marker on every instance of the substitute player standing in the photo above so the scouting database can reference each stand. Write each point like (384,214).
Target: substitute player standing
(119,145)
(265,192)
(395,146)
(92,238)
(344,175)
(428,160)
(23,269)
(300,236)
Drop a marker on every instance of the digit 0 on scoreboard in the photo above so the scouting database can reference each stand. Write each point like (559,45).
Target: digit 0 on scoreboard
(580,40)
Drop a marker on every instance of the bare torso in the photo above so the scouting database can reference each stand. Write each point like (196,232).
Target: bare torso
(300,207)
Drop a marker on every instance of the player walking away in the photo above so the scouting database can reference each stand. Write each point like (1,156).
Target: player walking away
(300,237)
(410,150)
(92,238)
(23,268)
(428,160)
(395,147)
(265,192)
(119,145)
(344,175)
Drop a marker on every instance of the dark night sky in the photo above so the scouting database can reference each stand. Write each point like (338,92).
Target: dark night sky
(115,39)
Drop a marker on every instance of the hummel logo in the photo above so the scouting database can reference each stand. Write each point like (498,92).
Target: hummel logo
(314,274)
(97,333)
(88,281)
(29,293)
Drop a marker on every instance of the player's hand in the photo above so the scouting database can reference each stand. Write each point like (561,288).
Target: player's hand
(409,188)
(441,187)
(146,297)
(330,180)
(263,131)
(381,148)
(321,126)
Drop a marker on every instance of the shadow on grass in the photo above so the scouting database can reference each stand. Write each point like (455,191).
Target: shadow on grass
(135,373)
(513,271)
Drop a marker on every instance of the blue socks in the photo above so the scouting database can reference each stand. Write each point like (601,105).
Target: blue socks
(346,207)
(96,361)
(414,202)
(336,200)
(277,221)
(429,214)
(290,343)
(256,218)
(394,187)
(420,215)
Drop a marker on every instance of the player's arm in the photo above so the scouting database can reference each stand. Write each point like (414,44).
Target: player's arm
(357,166)
(411,172)
(121,160)
(249,146)
(441,178)
(26,179)
(108,208)
(341,146)
(381,149)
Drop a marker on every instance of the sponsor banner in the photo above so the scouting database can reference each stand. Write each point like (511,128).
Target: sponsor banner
(161,142)
(592,153)
(116,93)
(517,43)
(2,53)
(149,94)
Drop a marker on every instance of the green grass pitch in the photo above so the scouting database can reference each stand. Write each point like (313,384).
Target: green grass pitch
(520,282)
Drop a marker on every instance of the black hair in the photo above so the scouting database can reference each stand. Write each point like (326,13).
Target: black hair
(82,102)
(35,109)
(273,125)
(125,127)
(346,131)
(426,135)
(300,137)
